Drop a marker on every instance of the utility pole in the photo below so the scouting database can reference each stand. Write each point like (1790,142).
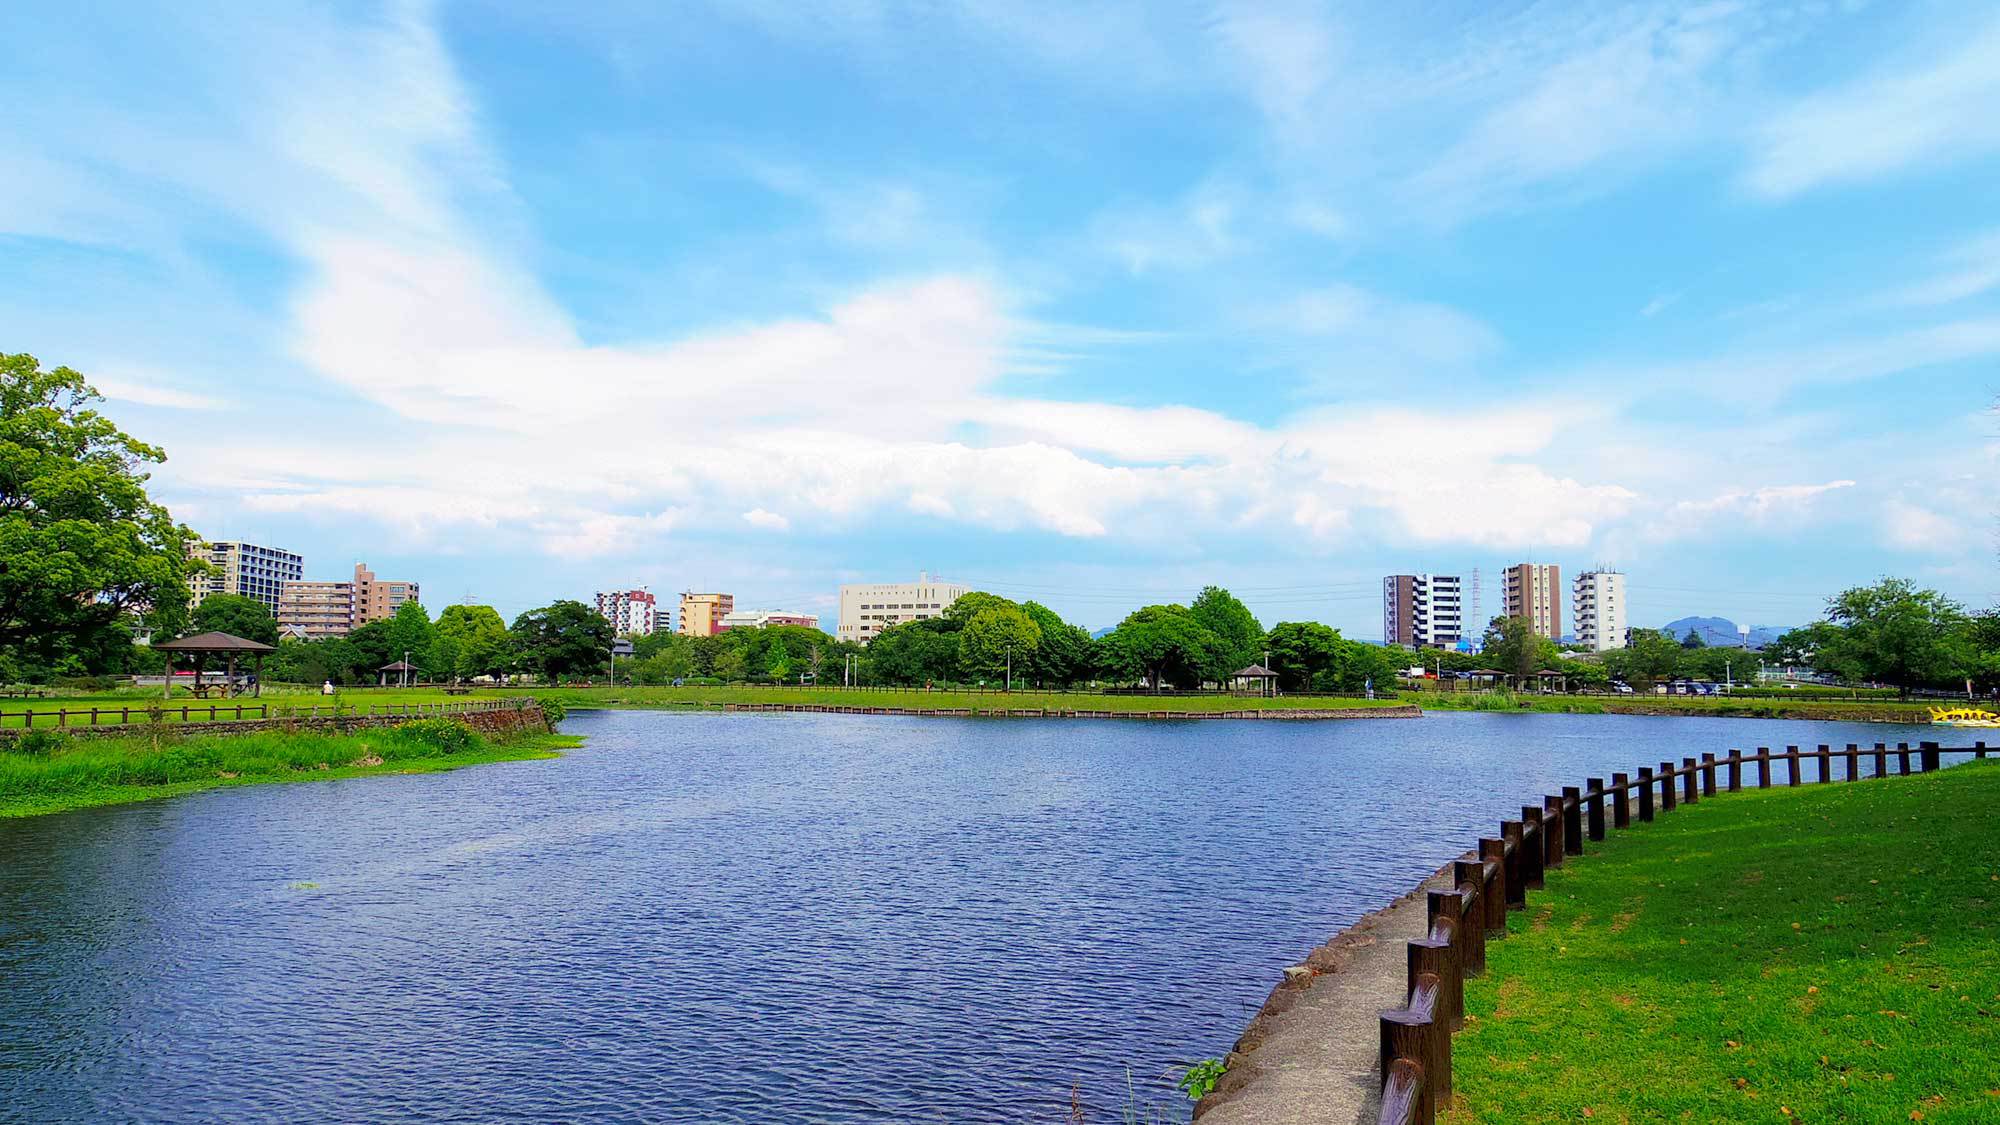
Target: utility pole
(406,667)
(1010,668)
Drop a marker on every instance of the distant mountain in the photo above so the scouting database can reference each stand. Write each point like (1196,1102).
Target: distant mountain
(1104,632)
(1722,631)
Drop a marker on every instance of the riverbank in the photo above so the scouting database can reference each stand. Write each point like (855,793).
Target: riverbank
(52,773)
(1725,707)
(973,703)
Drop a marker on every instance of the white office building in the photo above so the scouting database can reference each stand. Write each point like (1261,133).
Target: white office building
(867,610)
(1598,599)
(632,613)
(243,568)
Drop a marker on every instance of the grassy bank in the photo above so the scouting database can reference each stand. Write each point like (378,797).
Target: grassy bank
(1741,707)
(656,697)
(1829,953)
(52,774)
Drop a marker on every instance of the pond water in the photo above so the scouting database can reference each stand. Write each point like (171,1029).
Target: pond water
(747,918)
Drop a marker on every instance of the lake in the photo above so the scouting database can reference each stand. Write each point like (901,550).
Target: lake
(748,918)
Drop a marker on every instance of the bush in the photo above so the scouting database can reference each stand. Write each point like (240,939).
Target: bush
(554,712)
(438,736)
(41,743)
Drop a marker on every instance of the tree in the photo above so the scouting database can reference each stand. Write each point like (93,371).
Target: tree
(1801,646)
(1165,644)
(1650,656)
(478,639)
(1363,663)
(412,637)
(236,615)
(1063,655)
(1218,611)
(562,639)
(1302,652)
(1515,648)
(1693,640)
(915,652)
(997,639)
(1895,632)
(82,545)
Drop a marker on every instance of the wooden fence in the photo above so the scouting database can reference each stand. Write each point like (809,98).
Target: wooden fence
(230,712)
(1487,883)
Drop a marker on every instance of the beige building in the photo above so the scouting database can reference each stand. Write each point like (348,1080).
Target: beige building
(867,610)
(702,614)
(1534,591)
(243,568)
(759,618)
(334,609)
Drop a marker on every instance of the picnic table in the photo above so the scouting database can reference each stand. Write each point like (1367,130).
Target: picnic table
(458,689)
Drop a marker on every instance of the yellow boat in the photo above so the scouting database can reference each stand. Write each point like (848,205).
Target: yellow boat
(1964,717)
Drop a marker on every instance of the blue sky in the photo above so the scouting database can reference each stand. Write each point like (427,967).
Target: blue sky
(1092,303)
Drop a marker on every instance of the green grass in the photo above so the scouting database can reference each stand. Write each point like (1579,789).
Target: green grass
(81,773)
(1822,954)
(654,697)
(1747,707)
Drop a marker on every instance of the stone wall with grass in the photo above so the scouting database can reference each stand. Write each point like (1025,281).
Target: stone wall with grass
(527,718)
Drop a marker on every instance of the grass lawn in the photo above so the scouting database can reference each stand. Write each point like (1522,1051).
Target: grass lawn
(80,773)
(1829,953)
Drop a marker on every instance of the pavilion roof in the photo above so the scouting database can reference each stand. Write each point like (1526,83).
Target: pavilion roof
(214,642)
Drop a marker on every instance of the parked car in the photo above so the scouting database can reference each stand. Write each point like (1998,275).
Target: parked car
(1621,687)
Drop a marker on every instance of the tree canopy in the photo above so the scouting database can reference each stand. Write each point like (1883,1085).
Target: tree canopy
(564,638)
(236,615)
(82,544)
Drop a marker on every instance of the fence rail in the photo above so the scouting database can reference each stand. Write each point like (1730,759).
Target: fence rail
(64,717)
(1495,877)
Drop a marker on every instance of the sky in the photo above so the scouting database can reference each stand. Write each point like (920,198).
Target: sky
(1095,304)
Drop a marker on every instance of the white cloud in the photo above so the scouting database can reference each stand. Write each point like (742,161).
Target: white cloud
(149,389)
(1768,506)
(1935,106)
(1913,527)
(1969,269)
(1375,326)
(769,521)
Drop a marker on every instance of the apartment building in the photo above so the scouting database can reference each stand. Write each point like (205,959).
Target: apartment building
(1597,598)
(702,614)
(1534,591)
(313,610)
(632,613)
(867,610)
(1423,609)
(243,568)
(758,618)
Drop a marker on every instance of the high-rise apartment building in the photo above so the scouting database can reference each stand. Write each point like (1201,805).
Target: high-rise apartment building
(1423,609)
(867,610)
(702,614)
(1534,591)
(632,613)
(758,618)
(334,609)
(1598,600)
(244,568)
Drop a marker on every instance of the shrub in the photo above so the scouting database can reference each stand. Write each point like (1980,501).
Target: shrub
(553,712)
(438,736)
(41,743)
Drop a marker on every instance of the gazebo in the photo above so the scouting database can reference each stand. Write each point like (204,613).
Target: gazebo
(214,644)
(1255,677)
(398,669)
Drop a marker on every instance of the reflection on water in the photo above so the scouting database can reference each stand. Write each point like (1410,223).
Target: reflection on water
(735,918)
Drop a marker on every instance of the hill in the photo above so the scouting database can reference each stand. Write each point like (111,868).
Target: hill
(1722,631)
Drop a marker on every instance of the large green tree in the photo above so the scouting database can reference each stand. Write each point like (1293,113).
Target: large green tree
(1649,656)
(1898,633)
(82,545)
(413,637)
(1164,644)
(1219,611)
(1062,656)
(1304,652)
(236,615)
(1512,646)
(563,639)
(997,639)
(477,639)
(915,652)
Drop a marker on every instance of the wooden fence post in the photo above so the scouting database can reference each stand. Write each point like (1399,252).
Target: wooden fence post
(1735,770)
(1413,1033)
(1621,801)
(1555,832)
(1825,763)
(1436,953)
(1517,860)
(1708,775)
(1494,892)
(1535,843)
(1467,875)
(1903,759)
(1792,765)
(1979,749)
(1688,781)
(1572,820)
(1930,753)
(1594,808)
(1666,776)
(1853,757)
(1763,767)
(1881,759)
(1646,794)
